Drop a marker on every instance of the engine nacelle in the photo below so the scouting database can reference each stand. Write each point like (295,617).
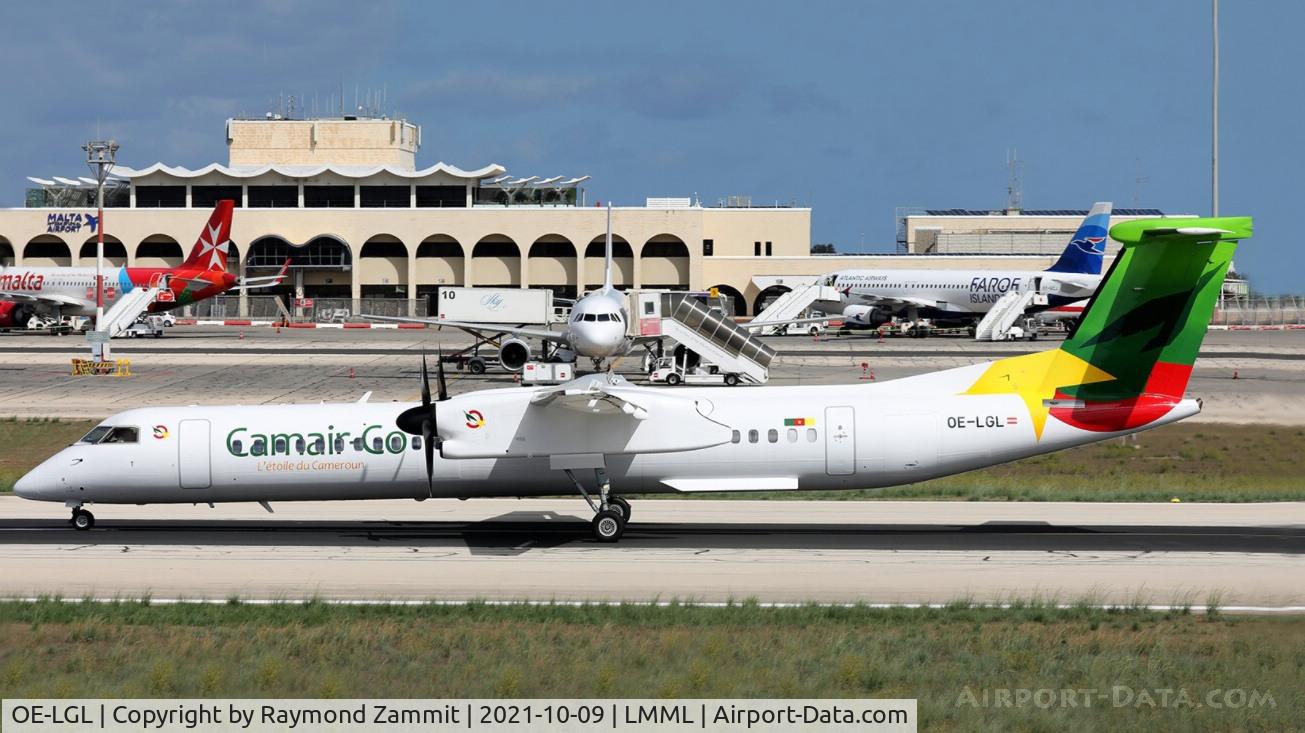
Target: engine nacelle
(864,316)
(13,314)
(513,354)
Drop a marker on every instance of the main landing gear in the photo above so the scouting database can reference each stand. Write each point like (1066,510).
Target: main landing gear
(81,519)
(610,512)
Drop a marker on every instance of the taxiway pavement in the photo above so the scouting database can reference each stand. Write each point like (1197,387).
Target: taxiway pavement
(1241,376)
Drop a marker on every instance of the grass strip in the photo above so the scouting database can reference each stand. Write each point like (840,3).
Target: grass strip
(939,656)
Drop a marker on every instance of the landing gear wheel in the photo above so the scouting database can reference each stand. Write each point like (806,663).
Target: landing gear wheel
(731,380)
(617,504)
(476,366)
(82,520)
(608,526)
(672,379)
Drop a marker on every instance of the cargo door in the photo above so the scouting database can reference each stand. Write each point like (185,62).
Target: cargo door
(840,441)
(193,454)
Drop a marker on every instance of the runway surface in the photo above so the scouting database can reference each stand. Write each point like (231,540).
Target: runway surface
(781,551)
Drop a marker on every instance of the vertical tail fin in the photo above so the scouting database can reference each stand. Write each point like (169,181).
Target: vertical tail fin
(1086,249)
(1128,363)
(607,257)
(210,250)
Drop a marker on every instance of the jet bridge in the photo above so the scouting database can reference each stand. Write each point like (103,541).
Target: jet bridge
(792,305)
(686,319)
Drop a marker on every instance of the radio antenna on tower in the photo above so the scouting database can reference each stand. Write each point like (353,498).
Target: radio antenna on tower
(1014,181)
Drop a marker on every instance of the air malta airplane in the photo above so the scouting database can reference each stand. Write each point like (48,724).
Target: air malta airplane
(870,298)
(70,291)
(1126,369)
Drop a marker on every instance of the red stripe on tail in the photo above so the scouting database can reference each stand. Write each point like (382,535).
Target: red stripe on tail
(1164,389)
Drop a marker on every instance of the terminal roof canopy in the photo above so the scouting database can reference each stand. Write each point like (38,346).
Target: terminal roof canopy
(311,171)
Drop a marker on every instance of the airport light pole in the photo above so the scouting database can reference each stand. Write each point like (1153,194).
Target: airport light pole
(101,155)
(1214,114)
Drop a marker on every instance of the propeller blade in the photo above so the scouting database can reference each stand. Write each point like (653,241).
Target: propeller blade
(425,382)
(439,372)
(428,448)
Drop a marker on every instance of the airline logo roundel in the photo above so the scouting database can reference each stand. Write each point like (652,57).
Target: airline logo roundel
(160,432)
(474,418)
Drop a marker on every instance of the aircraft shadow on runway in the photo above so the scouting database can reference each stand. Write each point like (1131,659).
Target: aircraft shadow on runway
(519,532)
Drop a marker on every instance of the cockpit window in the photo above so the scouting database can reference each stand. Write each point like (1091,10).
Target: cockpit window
(108,434)
(604,316)
(96,435)
(591,317)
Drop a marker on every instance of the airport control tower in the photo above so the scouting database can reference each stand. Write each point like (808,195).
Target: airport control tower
(337,141)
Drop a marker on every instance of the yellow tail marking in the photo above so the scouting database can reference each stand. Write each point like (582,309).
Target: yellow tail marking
(1035,378)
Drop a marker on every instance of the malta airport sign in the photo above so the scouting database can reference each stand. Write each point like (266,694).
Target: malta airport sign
(66,223)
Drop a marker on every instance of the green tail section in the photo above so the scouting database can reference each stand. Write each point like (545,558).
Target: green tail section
(1154,305)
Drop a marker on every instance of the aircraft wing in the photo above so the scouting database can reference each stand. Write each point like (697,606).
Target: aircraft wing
(48,298)
(868,299)
(479,329)
(592,395)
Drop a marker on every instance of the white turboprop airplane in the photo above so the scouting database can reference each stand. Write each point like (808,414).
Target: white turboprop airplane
(1126,369)
(597,328)
(870,298)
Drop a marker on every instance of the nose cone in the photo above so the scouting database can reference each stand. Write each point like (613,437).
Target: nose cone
(28,487)
(599,339)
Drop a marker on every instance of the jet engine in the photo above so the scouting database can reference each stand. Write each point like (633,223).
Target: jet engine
(513,354)
(864,316)
(13,314)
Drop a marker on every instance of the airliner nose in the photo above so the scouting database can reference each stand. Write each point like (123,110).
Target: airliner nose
(26,487)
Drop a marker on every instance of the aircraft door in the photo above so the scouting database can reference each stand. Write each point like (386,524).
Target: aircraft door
(193,464)
(840,441)
(650,314)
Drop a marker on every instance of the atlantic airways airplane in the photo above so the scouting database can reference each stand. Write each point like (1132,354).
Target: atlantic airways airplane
(1126,369)
(870,298)
(70,291)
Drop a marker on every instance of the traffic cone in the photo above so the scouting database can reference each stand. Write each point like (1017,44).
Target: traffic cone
(351,373)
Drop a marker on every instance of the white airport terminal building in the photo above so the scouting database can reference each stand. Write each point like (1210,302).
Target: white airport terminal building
(345,200)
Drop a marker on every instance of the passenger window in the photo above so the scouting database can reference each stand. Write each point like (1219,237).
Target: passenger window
(237,446)
(358,444)
(792,435)
(376,445)
(736,437)
(319,445)
(811,435)
(300,445)
(339,444)
(416,442)
(258,447)
(772,435)
(121,435)
(279,445)
(96,435)
(396,443)
(753,436)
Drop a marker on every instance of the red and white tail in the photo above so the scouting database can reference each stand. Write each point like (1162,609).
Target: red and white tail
(210,250)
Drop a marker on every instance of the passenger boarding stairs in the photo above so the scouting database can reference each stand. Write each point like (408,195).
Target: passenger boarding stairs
(129,307)
(792,305)
(709,332)
(1008,309)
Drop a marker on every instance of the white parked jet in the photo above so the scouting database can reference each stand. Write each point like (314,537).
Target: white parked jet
(870,298)
(597,329)
(1126,369)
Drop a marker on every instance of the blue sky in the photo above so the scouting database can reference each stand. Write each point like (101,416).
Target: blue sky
(854,108)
